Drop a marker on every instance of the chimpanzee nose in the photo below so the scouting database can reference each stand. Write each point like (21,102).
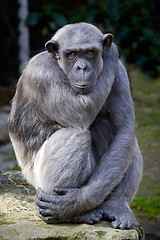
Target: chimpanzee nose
(82,65)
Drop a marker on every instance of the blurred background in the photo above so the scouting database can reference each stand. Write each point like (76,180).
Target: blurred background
(25,27)
(134,24)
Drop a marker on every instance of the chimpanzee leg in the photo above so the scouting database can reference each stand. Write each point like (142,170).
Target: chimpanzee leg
(116,207)
(65,160)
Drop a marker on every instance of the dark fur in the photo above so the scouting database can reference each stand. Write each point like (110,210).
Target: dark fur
(77,142)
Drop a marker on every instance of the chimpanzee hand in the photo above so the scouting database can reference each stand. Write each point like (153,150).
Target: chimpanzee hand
(60,207)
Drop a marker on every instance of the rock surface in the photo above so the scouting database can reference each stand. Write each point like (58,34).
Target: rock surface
(7,157)
(19,221)
(4,135)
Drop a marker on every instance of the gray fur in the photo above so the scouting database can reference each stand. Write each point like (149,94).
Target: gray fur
(72,129)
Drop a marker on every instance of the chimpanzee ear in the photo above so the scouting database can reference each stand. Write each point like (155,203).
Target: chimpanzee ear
(52,47)
(107,41)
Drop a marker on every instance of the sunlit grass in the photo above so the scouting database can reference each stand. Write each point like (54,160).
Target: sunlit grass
(147,206)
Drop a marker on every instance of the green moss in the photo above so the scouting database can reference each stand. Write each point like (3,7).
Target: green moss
(101,233)
(16,168)
(55,238)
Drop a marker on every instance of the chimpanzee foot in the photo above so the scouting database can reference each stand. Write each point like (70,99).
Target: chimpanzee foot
(124,222)
(90,218)
(121,216)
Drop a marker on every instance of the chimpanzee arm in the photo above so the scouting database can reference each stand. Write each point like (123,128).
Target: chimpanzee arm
(116,160)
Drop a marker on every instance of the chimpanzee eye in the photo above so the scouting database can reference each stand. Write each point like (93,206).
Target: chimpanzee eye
(71,55)
(90,54)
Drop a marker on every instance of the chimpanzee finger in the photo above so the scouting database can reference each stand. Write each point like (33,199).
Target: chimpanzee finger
(39,191)
(48,212)
(46,197)
(60,191)
(44,205)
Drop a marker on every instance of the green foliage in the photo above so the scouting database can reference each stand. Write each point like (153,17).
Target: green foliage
(33,18)
(134,24)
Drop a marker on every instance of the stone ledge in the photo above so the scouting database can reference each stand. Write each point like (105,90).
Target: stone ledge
(31,230)
(19,221)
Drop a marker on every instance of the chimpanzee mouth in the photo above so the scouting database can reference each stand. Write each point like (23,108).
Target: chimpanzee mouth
(83,86)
